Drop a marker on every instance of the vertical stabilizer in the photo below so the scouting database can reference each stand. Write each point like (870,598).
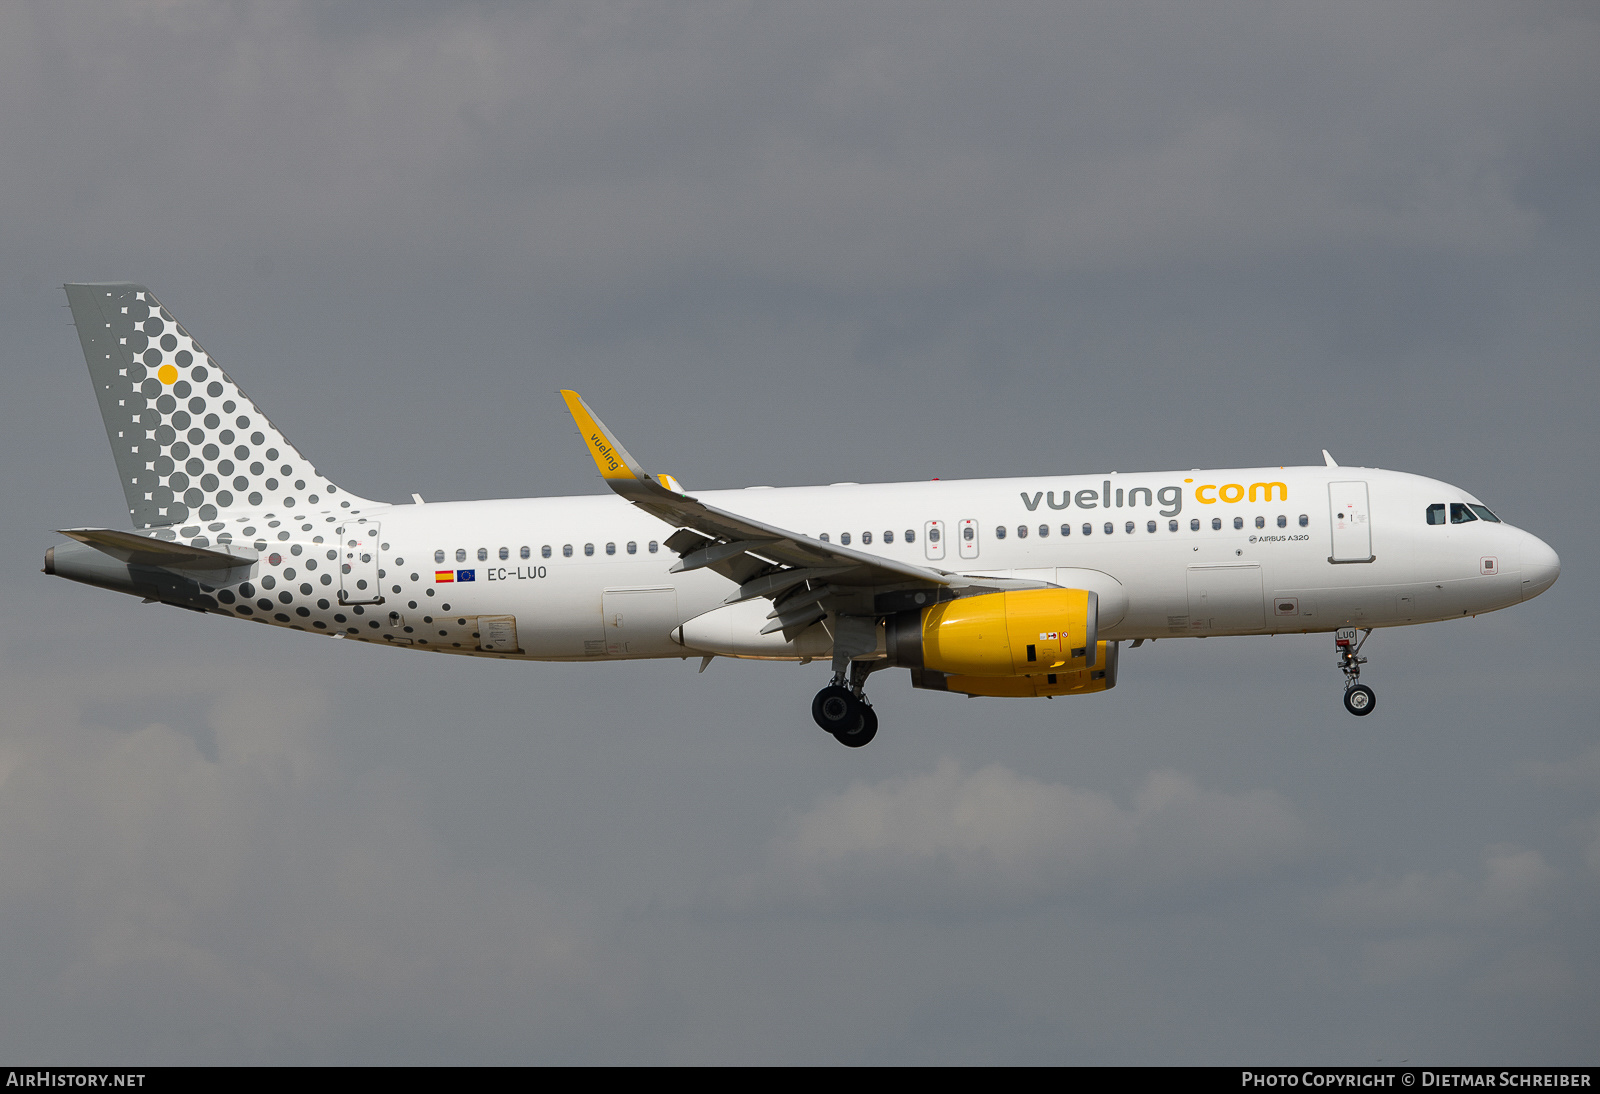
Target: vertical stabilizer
(190,447)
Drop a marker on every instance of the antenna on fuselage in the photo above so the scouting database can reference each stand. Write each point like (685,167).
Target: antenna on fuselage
(1329,460)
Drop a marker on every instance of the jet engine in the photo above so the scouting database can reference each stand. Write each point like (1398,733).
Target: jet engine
(999,634)
(1103,677)
(1033,642)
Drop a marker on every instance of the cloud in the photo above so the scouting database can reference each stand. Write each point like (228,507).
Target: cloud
(880,145)
(1513,889)
(1590,834)
(1425,925)
(257,897)
(1579,773)
(991,838)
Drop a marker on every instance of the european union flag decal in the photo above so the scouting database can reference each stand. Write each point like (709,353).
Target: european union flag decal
(466,575)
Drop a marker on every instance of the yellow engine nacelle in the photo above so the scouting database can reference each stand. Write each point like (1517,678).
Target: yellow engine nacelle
(1000,634)
(1103,677)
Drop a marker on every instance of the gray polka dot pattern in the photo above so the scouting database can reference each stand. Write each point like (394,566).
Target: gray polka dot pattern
(191,448)
(200,463)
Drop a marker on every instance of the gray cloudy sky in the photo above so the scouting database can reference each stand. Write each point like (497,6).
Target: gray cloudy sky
(790,244)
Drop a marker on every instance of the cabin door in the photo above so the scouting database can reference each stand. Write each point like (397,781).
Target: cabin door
(1352,528)
(358,564)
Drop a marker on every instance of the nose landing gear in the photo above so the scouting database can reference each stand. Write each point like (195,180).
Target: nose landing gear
(1359,699)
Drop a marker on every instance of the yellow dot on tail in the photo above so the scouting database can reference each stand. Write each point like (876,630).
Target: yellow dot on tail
(167,374)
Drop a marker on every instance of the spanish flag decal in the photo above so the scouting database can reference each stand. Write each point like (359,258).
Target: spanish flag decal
(442,576)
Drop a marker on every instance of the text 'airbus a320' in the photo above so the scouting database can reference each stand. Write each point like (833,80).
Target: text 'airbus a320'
(994,587)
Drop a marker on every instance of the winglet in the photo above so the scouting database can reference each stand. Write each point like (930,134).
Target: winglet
(615,463)
(1329,460)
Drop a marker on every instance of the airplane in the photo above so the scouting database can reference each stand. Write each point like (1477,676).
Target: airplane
(1019,587)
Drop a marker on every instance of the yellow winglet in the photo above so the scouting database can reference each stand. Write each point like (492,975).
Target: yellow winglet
(609,455)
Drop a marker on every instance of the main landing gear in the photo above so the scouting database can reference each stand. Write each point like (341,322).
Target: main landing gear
(844,711)
(1358,698)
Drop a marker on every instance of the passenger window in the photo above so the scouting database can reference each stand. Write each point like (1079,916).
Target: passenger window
(933,535)
(505,553)
(1172,526)
(1283,521)
(544,552)
(525,552)
(1066,529)
(844,538)
(654,547)
(888,536)
(1194,524)
(999,533)
(611,548)
(911,535)
(866,539)
(633,547)
(1436,513)
(1304,520)
(1044,531)
(461,554)
(566,550)
(824,538)
(1460,514)
(1261,522)
(1151,527)
(1110,527)
(1088,529)
(1483,511)
(438,556)
(1022,531)
(1238,523)
(1216,524)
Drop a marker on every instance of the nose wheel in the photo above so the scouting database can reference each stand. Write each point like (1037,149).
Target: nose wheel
(1359,699)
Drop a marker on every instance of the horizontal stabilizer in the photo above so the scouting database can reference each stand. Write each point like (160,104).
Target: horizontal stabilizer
(140,550)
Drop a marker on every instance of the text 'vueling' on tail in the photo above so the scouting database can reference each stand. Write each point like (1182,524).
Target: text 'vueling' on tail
(194,453)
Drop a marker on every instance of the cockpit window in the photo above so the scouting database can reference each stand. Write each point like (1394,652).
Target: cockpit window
(1436,513)
(1483,511)
(1460,513)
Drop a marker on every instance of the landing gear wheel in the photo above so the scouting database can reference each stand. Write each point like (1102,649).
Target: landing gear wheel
(835,708)
(865,729)
(1358,698)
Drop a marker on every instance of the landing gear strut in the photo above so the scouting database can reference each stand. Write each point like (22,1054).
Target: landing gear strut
(844,711)
(1359,699)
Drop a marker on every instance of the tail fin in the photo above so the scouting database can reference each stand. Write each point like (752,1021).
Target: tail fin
(190,446)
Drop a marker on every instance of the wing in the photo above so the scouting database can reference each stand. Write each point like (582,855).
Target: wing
(804,577)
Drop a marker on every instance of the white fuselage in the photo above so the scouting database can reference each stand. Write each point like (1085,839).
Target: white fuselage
(576,578)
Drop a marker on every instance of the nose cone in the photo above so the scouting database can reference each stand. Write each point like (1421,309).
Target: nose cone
(1540,567)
